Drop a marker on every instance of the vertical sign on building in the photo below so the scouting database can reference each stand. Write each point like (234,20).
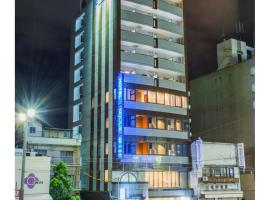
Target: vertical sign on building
(196,153)
(119,115)
(241,155)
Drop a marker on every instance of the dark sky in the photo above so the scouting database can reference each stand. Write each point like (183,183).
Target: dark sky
(43,39)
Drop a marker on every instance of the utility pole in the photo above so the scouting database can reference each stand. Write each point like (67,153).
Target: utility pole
(25,132)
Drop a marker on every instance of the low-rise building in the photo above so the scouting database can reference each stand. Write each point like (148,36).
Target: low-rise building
(36,177)
(59,144)
(217,176)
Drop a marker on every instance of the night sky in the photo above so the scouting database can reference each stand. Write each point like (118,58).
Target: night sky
(42,44)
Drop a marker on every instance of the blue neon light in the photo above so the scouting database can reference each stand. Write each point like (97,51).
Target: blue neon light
(120,115)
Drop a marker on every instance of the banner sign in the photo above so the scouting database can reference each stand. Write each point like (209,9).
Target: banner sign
(196,154)
(241,155)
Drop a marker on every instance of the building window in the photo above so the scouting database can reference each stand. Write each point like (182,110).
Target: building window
(79,22)
(178,102)
(160,123)
(155,23)
(66,156)
(184,102)
(167,99)
(107,97)
(154,4)
(78,74)
(152,98)
(131,95)
(77,112)
(77,132)
(131,121)
(42,152)
(155,62)
(78,56)
(77,92)
(152,122)
(155,42)
(171,124)
(107,122)
(172,100)
(160,98)
(141,121)
(79,39)
(178,125)
(141,96)
(106,149)
(32,129)
(162,179)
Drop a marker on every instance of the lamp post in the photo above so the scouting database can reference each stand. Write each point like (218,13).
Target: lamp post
(24,118)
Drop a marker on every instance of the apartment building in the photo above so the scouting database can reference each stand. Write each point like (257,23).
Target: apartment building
(129,98)
(59,144)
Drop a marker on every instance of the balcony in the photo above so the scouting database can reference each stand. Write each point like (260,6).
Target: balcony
(143,41)
(154,107)
(146,80)
(53,141)
(141,61)
(145,22)
(154,159)
(164,9)
(155,133)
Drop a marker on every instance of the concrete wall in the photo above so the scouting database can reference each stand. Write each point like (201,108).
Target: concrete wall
(222,107)
(40,168)
(248,186)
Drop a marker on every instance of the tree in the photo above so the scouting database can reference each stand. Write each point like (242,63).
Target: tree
(60,183)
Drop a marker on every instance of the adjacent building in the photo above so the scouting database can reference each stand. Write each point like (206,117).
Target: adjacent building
(223,103)
(36,176)
(58,144)
(129,98)
(218,175)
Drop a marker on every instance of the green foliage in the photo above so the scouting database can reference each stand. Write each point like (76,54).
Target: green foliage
(75,198)
(60,183)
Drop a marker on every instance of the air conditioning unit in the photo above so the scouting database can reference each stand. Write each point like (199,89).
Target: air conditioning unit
(205,178)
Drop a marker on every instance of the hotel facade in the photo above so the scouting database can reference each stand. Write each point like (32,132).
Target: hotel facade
(129,98)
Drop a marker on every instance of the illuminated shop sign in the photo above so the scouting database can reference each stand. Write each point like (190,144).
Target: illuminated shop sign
(119,125)
(196,154)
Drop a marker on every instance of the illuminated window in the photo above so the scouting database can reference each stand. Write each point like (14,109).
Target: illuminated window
(107,122)
(152,98)
(142,148)
(164,179)
(167,99)
(171,124)
(78,56)
(131,95)
(106,149)
(178,126)
(172,100)
(141,95)
(160,123)
(141,121)
(106,175)
(107,97)
(152,122)
(178,101)
(160,98)
(184,102)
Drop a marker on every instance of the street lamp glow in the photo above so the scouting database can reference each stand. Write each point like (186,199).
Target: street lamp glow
(31,113)
(22,117)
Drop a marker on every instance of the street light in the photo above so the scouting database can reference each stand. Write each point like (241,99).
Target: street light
(25,118)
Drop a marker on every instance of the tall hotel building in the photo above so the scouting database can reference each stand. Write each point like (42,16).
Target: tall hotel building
(129,98)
